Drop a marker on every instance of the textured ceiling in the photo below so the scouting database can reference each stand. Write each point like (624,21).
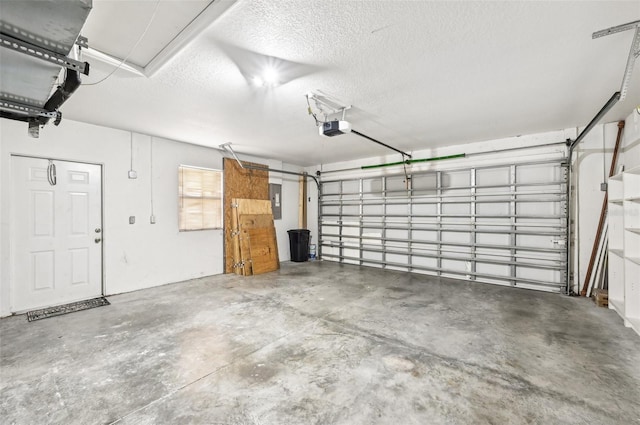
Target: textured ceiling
(116,26)
(418,74)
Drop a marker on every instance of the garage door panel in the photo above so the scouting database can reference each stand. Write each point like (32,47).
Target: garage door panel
(502,224)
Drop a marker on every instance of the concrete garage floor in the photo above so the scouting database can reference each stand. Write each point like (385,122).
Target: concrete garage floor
(321,343)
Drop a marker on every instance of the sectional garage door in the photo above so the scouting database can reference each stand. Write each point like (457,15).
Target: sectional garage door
(503,224)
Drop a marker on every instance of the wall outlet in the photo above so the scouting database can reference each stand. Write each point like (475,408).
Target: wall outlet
(152,219)
(133,174)
(132,219)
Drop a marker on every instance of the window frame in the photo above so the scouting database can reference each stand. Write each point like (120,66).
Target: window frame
(181,196)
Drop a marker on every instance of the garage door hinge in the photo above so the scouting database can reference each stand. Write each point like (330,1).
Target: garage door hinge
(238,265)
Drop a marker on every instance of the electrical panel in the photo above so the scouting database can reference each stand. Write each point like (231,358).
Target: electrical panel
(275,194)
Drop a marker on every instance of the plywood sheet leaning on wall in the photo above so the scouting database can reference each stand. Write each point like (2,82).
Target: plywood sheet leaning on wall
(264,250)
(254,242)
(239,183)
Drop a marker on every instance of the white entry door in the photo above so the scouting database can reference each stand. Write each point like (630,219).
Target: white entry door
(57,232)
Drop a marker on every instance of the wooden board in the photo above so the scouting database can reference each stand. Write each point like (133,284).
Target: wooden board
(264,252)
(253,206)
(235,244)
(254,221)
(254,238)
(302,203)
(601,297)
(239,183)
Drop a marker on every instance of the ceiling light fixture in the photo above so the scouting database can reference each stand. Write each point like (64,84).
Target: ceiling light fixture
(270,76)
(258,81)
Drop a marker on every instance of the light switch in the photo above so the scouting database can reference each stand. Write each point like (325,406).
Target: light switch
(132,219)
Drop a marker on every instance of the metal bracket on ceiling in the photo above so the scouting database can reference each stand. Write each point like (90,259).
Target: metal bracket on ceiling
(227,148)
(82,42)
(634,51)
(331,106)
(29,49)
(27,110)
(18,99)
(327,105)
(616,29)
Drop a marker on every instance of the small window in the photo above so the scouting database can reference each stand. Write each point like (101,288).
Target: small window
(199,198)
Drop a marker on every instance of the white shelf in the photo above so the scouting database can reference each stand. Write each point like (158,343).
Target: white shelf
(634,260)
(634,170)
(624,235)
(618,252)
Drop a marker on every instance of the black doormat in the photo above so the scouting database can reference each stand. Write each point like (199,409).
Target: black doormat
(67,308)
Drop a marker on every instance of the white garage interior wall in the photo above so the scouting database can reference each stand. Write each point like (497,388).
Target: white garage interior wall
(590,171)
(140,255)
(144,255)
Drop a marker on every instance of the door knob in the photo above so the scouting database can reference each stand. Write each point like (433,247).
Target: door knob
(98,240)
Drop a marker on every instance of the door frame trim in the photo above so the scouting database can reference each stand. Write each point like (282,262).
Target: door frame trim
(12,226)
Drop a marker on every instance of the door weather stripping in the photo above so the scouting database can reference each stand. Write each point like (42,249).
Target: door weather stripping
(634,51)
(29,49)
